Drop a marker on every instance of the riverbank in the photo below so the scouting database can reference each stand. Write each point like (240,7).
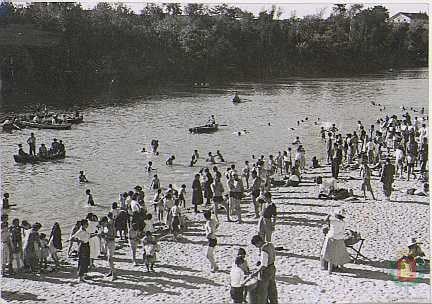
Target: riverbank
(183,275)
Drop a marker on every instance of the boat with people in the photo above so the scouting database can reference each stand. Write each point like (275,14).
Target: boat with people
(9,127)
(204,129)
(35,125)
(30,159)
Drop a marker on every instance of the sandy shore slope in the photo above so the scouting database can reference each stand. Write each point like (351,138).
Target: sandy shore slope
(183,276)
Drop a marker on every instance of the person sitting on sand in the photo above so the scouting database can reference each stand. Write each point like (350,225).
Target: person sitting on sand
(294,179)
(82,178)
(423,191)
(315,163)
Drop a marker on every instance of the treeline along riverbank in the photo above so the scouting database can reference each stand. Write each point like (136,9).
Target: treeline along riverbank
(61,46)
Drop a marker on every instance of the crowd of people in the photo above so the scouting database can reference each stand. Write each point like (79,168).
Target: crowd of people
(396,147)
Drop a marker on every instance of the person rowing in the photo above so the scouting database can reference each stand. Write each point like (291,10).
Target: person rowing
(211,121)
(236,98)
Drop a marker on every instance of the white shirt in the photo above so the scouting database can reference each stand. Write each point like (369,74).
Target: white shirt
(82,235)
(337,229)
(237,276)
(135,207)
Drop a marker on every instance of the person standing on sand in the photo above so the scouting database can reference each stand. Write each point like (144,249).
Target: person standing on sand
(108,234)
(255,190)
(387,178)
(197,195)
(246,173)
(336,160)
(82,236)
(210,228)
(266,290)
(329,148)
(235,186)
(267,221)
(365,173)
(334,251)
(218,191)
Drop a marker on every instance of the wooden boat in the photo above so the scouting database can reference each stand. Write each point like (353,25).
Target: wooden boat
(36,125)
(204,129)
(75,120)
(29,159)
(10,127)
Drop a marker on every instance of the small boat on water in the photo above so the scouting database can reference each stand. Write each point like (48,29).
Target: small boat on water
(204,129)
(29,159)
(75,119)
(10,127)
(36,125)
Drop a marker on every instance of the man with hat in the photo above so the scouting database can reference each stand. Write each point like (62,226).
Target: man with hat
(266,290)
(387,177)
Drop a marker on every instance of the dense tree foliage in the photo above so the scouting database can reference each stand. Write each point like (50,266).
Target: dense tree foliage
(170,42)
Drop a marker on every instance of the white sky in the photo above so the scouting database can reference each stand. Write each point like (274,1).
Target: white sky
(301,9)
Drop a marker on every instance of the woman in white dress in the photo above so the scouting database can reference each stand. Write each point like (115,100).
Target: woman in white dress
(334,250)
(94,241)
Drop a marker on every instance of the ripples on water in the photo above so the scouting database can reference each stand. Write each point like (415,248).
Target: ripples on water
(108,145)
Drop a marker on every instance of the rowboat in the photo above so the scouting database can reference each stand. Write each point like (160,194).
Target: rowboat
(10,127)
(204,129)
(36,125)
(29,159)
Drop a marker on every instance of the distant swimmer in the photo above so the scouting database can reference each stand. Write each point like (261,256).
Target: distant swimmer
(82,178)
(292,129)
(193,161)
(302,120)
(170,160)
(149,167)
(220,156)
(298,123)
(143,149)
(211,158)
(90,200)
(269,124)
(154,144)
(373,103)
(306,118)
(5,201)
(297,141)
(236,98)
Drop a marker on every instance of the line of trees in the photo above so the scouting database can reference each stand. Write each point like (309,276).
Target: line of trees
(170,42)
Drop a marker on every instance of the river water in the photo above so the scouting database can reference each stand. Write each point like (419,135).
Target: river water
(107,146)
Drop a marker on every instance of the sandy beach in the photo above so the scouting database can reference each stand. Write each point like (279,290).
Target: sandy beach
(183,275)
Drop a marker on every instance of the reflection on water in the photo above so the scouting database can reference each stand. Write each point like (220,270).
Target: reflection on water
(108,145)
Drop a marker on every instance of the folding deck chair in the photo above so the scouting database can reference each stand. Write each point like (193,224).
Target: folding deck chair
(351,243)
